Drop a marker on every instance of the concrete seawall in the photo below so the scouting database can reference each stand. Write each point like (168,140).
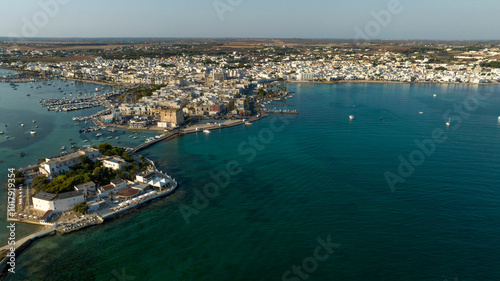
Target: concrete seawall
(138,204)
(20,246)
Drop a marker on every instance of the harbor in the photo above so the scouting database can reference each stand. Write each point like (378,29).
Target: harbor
(280,111)
(70,104)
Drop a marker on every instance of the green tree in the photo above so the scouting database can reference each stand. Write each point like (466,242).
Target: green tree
(39,183)
(81,208)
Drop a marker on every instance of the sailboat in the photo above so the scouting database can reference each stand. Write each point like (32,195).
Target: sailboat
(448,123)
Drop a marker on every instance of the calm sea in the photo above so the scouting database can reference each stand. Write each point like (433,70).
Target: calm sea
(54,131)
(299,182)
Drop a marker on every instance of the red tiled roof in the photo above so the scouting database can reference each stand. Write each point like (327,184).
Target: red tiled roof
(46,215)
(107,187)
(129,192)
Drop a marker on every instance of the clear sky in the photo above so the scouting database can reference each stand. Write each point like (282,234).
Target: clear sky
(416,19)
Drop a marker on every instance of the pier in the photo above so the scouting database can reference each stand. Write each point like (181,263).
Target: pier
(151,142)
(175,133)
(21,245)
(282,111)
(73,103)
(283,104)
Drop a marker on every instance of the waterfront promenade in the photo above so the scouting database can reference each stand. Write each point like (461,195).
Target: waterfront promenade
(192,129)
(21,242)
(20,246)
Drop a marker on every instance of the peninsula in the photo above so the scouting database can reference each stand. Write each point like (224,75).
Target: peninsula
(81,188)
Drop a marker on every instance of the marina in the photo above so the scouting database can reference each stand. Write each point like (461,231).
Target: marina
(75,103)
(280,111)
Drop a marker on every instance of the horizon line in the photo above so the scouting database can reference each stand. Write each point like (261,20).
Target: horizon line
(248,38)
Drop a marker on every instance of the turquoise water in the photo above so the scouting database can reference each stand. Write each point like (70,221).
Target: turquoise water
(54,131)
(320,175)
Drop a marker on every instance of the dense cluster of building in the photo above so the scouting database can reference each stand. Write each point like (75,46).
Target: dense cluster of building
(90,193)
(232,72)
(215,85)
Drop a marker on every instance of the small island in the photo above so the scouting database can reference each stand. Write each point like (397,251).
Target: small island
(82,188)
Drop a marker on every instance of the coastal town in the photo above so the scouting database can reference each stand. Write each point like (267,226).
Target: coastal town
(162,87)
(188,93)
(226,71)
(185,93)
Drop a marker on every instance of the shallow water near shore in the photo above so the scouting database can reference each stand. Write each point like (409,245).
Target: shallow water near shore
(54,131)
(319,175)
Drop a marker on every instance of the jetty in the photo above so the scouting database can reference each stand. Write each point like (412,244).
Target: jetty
(179,132)
(74,103)
(150,142)
(21,245)
(283,104)
(282,111)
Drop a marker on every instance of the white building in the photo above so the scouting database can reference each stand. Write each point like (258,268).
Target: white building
(155,179)
(106,189)
(86,188)
(62,163)
(305,77)
(119,184)
(61,202)
(115,163)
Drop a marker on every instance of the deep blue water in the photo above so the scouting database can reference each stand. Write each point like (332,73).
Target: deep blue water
(319,175)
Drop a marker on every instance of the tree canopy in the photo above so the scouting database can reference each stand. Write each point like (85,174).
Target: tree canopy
(81,208)
(109,150)
(493,64)
(88,170)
